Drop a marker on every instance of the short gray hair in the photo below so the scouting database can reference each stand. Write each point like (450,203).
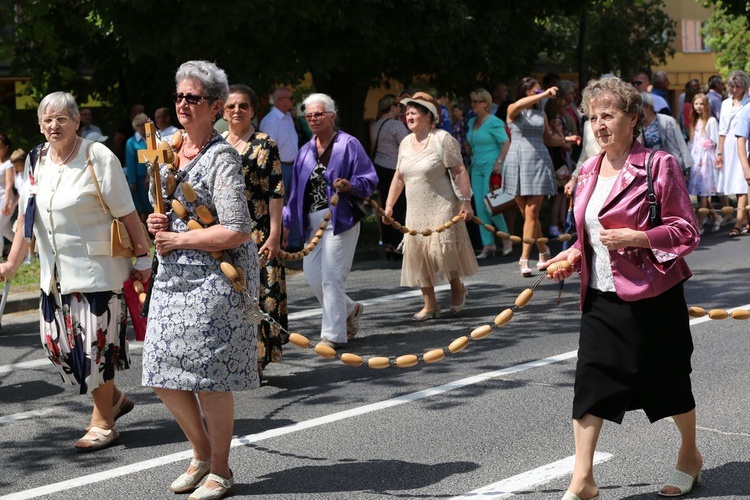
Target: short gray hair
(740,78)
(324,99)
(620,93)
(59,101)
(213,78)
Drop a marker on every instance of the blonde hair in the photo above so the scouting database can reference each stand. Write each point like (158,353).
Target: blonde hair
(694,114)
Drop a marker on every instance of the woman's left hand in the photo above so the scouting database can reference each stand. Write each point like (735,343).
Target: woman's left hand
(166,241)
(466,211)
(270,248)
(616,239)
(343,185)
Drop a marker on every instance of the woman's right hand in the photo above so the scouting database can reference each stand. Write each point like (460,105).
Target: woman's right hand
(6,271)
(569,186)
(388,213)
(719,161)
(156,223)
(572,255)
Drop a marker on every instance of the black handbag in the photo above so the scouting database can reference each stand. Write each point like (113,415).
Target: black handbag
(654,211)
(360,208)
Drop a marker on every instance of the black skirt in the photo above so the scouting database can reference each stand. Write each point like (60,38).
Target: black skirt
(634,355)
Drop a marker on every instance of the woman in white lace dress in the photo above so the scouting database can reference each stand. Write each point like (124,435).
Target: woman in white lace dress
(423,162)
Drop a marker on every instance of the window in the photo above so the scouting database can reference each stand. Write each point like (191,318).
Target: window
(692,40)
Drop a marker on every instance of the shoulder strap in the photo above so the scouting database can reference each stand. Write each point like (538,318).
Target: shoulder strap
(439,145)
(377,137)
(653,206)
(93,176)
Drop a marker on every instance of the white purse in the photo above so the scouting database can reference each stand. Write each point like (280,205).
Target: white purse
(498,202)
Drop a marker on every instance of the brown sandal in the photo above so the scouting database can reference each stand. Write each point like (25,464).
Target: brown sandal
(734,233)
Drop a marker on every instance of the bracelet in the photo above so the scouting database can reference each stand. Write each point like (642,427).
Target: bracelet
(142,255)
(462,198)
(142,263)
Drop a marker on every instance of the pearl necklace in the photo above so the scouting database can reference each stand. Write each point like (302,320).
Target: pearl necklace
(190,157)
(244,137)
(75,145)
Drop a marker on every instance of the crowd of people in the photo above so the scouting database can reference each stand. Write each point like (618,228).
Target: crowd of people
(235,200)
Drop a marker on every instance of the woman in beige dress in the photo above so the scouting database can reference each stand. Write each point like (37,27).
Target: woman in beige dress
(423,161)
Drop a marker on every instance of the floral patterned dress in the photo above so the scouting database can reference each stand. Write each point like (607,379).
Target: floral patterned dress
(261,168)
(199,337)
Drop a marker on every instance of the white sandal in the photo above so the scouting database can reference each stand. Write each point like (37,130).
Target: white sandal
(190,480)
(682,481)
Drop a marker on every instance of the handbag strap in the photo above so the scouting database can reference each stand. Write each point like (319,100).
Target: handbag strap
(653,206)
(377,138)
(93,176)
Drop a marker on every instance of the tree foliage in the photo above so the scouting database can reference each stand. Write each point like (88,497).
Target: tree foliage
(727,34)
(617,40)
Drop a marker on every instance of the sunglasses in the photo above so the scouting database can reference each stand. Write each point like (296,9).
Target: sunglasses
(244,106)
(190,98)
(317,115)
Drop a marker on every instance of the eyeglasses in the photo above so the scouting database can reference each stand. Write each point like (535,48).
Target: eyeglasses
(317,115)
(474,101)
(636,83)
(190,98)
(244,106)
(285,97)
(60,120)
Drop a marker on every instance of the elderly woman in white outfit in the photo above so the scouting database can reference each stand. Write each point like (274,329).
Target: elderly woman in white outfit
(82,308)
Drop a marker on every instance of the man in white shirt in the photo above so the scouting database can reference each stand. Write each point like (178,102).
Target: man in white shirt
(163,122)
(86,126)
(279,125)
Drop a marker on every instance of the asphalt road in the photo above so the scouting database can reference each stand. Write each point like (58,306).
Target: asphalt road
(488,422)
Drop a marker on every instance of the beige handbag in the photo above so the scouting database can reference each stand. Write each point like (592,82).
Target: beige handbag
(121,245)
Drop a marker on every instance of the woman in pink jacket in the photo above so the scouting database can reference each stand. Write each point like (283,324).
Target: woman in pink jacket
(635,343)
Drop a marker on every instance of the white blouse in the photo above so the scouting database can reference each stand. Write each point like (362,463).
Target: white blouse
(601,270)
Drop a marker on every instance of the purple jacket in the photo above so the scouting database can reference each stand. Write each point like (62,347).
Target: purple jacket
(349,161)
(640,273)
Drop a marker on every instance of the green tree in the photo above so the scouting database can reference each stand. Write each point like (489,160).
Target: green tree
(612,36)
(727,34)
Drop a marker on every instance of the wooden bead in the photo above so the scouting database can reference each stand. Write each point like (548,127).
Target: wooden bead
(404,229)
(459,344)
(176,163)
(564,237)
(502,235)
(529,241)
(696,312)
(727,210)
(433,356)
(325,351)
(241,277)
(524,298)
(193,224)
(378,363)
(489,227)
(299,340)
(138,286)
(176,140)
(448,225)
(179,209)
(740,314)
(456,218)
(218,254)
(515,239)
(334,199)
(503,318)
(237,286)
(204,214)
(229,271)
(426,232)
(413,232)
(481,332)
(396,225)
(142,298)
(388,220)
(372,203)
(282,254)
(718,314)
(351,359)
(704,211)
(440,228)
(560,265)
(323,225)
(306,251)
(543,241)
(326,216)
(407,361)
(171,184)
(188,192)
(476,220)
(314,241)
(381,213)
(319,233)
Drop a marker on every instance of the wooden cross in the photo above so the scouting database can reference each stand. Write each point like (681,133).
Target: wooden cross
(155,155)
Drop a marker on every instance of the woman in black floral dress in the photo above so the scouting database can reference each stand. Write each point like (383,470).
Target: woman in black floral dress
(264,189)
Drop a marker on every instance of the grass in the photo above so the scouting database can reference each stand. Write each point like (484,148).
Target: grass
(26,279)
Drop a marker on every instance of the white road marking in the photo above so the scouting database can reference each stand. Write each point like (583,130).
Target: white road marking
(289,429)
(36,363)
(23,416)
(529,479)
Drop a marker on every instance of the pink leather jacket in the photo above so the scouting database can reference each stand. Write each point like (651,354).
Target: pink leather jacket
(640,273)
